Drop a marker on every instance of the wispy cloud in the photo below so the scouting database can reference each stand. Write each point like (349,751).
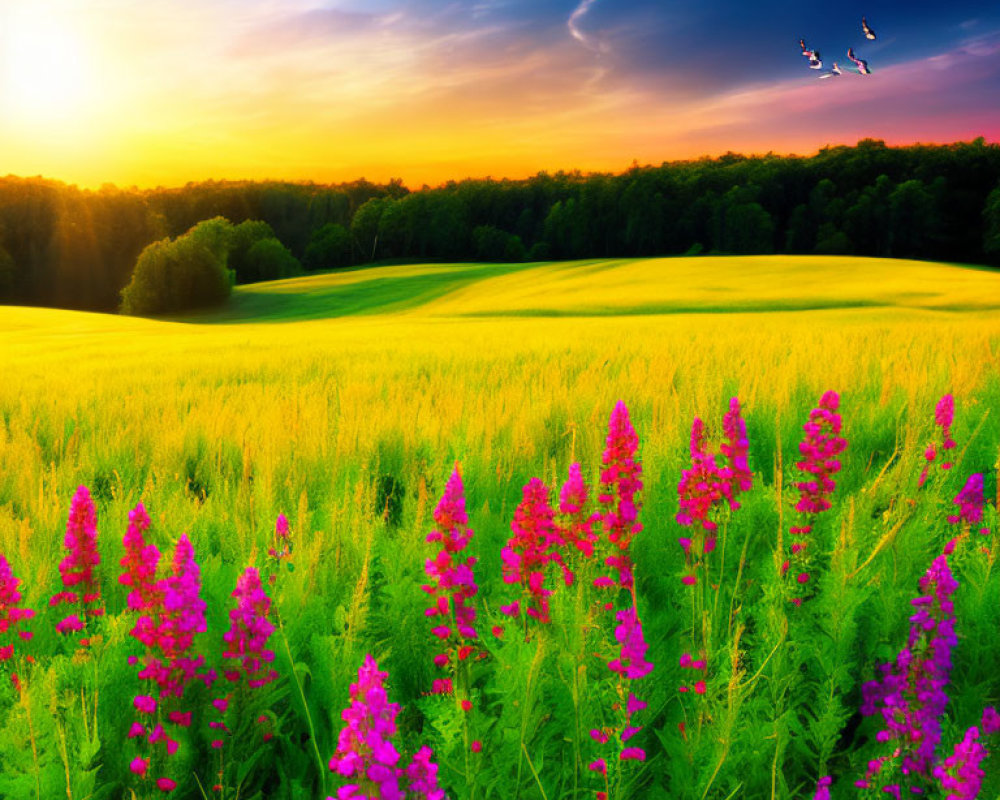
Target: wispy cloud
(573,24)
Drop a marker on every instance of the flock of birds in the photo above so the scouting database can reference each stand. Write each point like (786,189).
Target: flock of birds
(815,62)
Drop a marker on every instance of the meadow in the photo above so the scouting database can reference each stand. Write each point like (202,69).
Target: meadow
(344,401)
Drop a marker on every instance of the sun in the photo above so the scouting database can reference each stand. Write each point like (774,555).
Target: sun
(46,71)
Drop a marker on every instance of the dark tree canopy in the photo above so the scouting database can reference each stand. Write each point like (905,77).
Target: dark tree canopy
(176,275)
(78,249)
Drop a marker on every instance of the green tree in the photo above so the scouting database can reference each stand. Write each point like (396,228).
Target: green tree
(216,234)
(176,275)
(911,219)
(364,226)
(493,244)
(6,276)
(329,247)
(242,239)
(269,260)
(991,224)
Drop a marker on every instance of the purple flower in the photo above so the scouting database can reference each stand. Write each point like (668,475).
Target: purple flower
(909,693)
(631,662)
(970,502)
(961,774)
(823,788)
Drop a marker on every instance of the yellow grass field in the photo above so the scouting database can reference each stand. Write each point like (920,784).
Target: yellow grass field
(305,384)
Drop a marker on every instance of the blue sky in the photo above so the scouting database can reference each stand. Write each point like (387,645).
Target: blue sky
(159,92)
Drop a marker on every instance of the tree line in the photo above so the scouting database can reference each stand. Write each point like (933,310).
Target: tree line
(66,247)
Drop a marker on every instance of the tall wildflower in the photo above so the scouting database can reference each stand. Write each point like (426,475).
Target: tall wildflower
(366,755)
(944,415)
(170,663)
(909,693)
(700,491)
(140,563)
(819,449)
(80,585)
(280,549)
(246,649)
(12,616)
(453,584)
(736,449)
(533,546)
(576,526)
(961,775)
(630,665)
(970,502)
(621,481)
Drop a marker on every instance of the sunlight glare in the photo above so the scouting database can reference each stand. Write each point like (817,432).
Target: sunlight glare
(46,74)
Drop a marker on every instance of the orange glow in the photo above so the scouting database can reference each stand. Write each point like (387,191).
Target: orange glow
(162,94)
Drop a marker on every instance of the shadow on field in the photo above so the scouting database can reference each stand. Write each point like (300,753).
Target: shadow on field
(380,295)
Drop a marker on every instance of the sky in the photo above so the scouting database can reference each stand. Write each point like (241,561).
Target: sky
(162,92)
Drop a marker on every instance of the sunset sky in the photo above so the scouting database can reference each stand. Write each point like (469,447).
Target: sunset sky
(163,92)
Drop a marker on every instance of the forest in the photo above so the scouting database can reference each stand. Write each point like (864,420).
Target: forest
(67,247)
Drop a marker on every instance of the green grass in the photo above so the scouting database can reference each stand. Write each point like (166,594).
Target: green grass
(301,395)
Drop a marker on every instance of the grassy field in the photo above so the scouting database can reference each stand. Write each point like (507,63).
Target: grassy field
(333,397)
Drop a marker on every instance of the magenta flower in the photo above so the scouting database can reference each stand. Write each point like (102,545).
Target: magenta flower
(421,774)
(970,502)
(533,546)
(453,584)
(991,720)
(577,527)
(249,630)
(910,692)
(365,753)
(736,449)
(961,775)
(631,662)
(12,614)
(281,546)
(621,481)
(823,788)
(77,568)
(140,563)
(702,486)
(820,449)
(944,415)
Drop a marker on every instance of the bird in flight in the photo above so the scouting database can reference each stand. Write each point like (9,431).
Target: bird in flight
(860,63)
(815,62)
(869,33)
(833,73)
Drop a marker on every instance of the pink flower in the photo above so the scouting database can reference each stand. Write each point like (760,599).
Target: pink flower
(736,449)
(970,501)
(452,583)
(140,563)
(145,704)
(12,615)
(944,415)
(600,765)
(77,568)
(166,784)
(633,754)
(577,527)
(631,661)
(139,765)
(249,630)
(621,482)
(532,547)
(823,788)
